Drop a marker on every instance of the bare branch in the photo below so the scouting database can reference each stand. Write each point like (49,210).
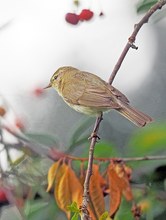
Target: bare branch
(124,159)
(94,137)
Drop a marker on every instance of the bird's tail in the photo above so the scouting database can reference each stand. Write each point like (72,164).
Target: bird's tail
(138,118)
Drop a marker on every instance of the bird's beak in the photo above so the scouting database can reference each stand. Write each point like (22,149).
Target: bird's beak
(49,85)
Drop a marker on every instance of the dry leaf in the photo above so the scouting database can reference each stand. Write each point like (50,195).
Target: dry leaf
(115,192)
(62,191)
(68,189)
(118,184)
(76,188)
(51,174)
(96,192)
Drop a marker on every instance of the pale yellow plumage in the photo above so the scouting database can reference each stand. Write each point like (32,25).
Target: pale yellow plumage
(89,94)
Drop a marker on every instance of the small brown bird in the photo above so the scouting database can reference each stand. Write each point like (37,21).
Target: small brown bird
(89,94)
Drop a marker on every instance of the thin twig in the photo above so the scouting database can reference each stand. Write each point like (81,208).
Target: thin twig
(124,159)
(158,157)
(132,38)
(28,148)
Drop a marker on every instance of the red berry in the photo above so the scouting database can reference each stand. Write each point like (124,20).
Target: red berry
(38,92)
(85,14)
(19,124)
(72,18)
(2,196)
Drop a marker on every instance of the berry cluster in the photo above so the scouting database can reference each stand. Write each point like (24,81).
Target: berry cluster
(73,18)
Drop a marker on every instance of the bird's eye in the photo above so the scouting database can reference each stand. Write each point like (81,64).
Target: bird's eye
(55,77)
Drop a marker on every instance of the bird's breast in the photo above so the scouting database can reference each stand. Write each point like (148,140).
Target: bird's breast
(91,111)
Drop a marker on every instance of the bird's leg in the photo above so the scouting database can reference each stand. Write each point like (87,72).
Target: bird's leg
(94,132)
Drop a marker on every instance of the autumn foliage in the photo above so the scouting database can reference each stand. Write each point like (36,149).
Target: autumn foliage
(68,187)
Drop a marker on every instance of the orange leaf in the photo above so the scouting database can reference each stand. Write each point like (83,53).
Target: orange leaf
(115,192)
(51,174)
(2,111)
(118,184)
(76,188)
(103,182)
(68,189)
(96,192)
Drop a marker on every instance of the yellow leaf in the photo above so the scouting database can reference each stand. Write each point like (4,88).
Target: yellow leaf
(96,193)
(51,175)
(62,191)
(105,216)
(75,186)
(68,189)
(145,205)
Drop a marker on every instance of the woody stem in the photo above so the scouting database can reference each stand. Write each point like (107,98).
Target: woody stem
(94,137)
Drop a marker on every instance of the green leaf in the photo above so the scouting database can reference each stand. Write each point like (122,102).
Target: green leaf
(73,207)
(34,206)
(78,142)
(147,141)
(102,149)
(40,209)
(124,211)
(105,149)
(33,171)
(75,216)
(79,137)
(150,140)
(45,139)
(145,5)
(105,216)
(152,206)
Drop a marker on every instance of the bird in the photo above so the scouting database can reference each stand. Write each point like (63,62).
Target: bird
(89,94)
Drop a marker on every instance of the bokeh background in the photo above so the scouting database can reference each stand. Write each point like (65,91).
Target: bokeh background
(35,40)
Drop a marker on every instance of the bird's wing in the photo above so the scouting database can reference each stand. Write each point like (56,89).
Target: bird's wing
(118,94)
(92,91)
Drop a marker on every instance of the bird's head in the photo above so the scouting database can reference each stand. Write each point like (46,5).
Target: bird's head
(58,76)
